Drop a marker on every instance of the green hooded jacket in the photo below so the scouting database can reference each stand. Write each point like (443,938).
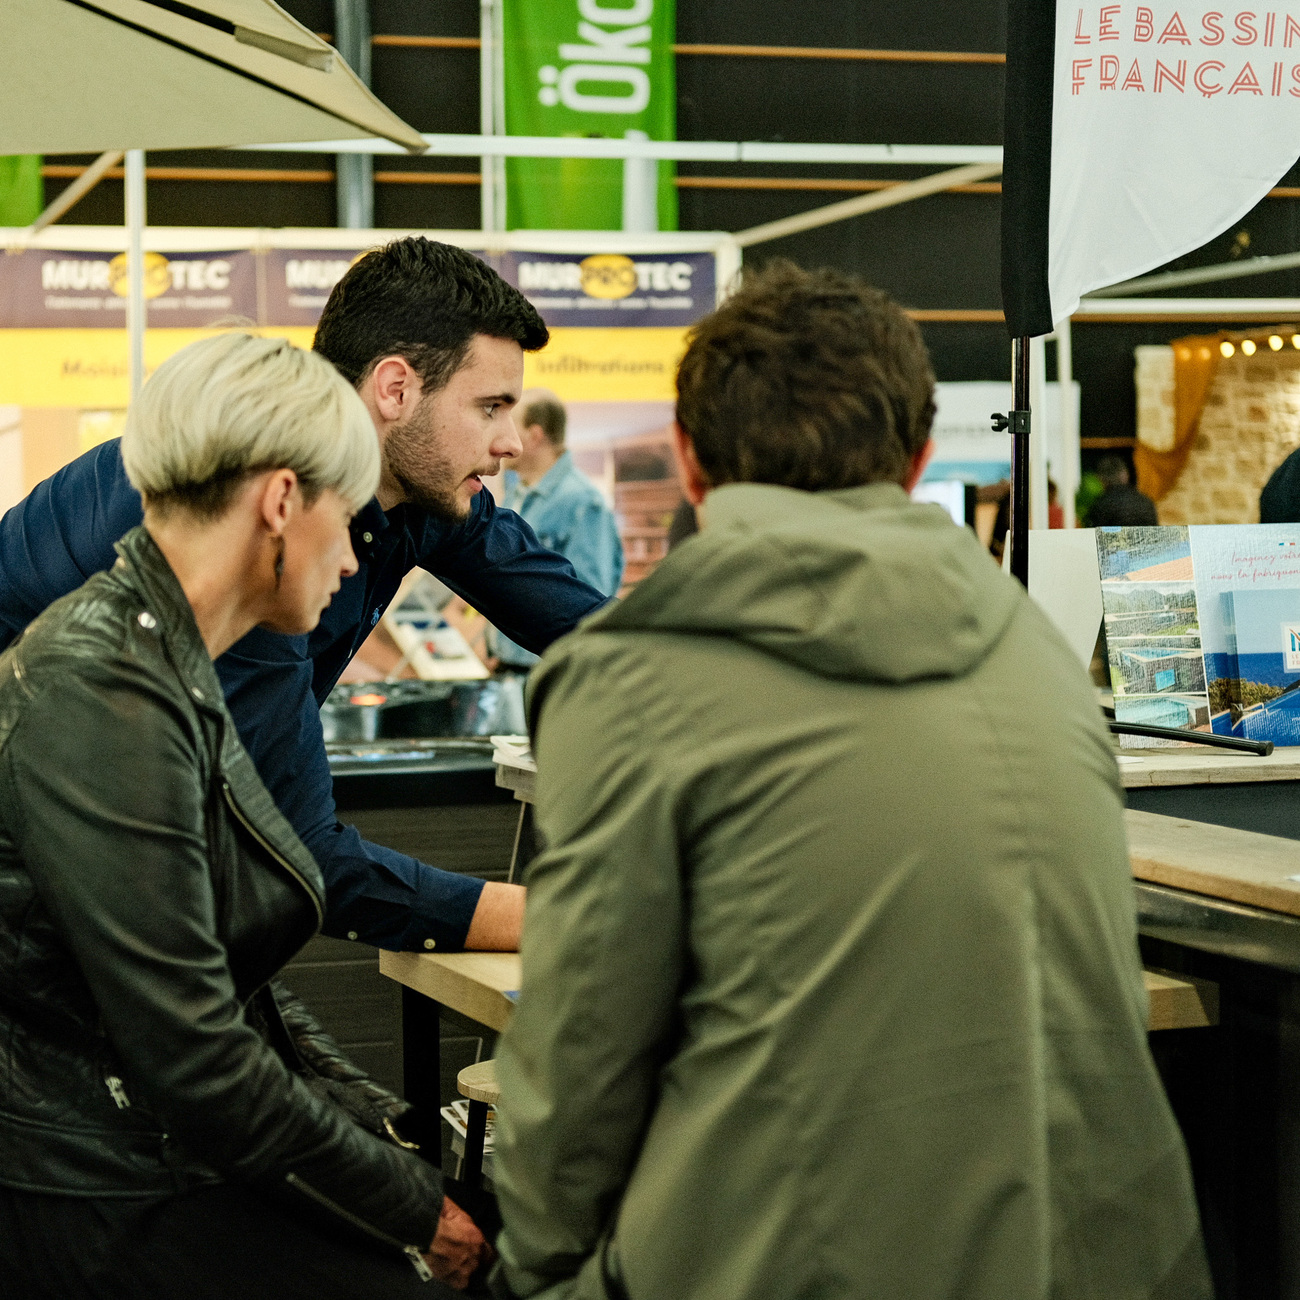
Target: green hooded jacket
(831,987)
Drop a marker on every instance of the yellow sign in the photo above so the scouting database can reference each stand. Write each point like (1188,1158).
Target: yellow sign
(607,365)
(89,368)
(157,275)
(608,275)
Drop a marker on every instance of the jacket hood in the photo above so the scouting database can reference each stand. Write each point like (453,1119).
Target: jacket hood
(861,583)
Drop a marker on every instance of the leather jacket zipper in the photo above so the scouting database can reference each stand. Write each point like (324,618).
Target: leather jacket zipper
(270,848)
(117,1090)
(411,1252)
(397,1137)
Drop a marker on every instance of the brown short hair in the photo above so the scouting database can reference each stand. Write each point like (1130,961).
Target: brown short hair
(808,379)
(550,414)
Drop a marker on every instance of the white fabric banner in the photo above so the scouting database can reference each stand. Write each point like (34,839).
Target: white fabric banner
(1169,123)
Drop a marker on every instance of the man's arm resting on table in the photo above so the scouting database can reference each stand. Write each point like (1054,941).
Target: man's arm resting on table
(382,897)
(374,894)
(498,919)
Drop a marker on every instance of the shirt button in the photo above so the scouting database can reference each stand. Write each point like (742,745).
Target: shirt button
(430,943)
(198,694)
(367,538)
(147,620)
(352,934)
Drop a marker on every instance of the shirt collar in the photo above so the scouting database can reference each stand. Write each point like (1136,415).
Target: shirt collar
(369,524)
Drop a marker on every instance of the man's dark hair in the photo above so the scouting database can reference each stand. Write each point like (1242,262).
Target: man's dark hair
(550,414)
(1279,502)
(422,301)
(1112,471)
(808,379)
(1122,507)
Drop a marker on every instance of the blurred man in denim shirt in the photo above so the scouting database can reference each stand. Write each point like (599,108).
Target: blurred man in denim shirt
(563,507)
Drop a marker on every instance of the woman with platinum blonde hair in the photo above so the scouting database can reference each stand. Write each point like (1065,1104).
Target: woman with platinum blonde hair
(160,1135)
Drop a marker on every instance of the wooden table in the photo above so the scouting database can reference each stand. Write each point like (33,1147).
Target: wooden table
(474,984)
(1217,861)
(1216,786)
(1203,766)
(1223,904)
(477,984)
(1219,920)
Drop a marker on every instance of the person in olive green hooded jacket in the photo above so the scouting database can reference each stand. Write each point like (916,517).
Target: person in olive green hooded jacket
(831,987)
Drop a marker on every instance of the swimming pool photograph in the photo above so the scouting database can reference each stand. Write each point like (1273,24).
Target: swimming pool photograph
(1153,630)
(1203,627)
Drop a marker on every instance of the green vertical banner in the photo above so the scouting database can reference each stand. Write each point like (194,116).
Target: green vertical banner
(22,190)
(589,68)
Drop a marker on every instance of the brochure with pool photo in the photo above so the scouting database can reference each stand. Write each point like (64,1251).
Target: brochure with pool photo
(1203,628)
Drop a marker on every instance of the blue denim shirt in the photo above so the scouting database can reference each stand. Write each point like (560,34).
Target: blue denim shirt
(62,533)
(568,514)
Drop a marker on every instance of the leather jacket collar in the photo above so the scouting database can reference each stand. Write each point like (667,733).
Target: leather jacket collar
(148,572)
(166,603)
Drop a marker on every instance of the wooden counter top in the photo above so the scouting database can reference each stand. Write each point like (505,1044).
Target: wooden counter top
(1202,766)
(1237,866)
(517,771)
(476,983)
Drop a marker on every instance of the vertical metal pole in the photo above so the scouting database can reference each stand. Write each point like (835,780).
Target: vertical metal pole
(1020,460)
(422,1069)
(354,172)
(1039,446)
(488,65)
(640,189)
(499,106)
(135,299)
(1070,471)
(729,261)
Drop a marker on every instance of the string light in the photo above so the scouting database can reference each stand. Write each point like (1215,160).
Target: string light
(1248,347)
(1275,342)
(1295,340)
(1226,349)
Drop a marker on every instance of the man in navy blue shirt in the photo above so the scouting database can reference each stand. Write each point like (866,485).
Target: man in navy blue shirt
(434,341)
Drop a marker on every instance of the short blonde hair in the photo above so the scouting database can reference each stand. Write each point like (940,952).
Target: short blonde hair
(235,404)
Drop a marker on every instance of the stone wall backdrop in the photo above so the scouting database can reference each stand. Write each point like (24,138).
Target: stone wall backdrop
(1249,425)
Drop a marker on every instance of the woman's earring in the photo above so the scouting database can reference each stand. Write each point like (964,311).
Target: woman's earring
(279,565)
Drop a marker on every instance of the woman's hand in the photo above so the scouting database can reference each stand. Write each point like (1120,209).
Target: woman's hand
(458,1247)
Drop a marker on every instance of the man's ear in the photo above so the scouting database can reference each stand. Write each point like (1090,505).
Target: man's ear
(391,390)
(695,482)
(916,466)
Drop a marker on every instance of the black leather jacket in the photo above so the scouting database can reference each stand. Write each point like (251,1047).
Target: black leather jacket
(149,891)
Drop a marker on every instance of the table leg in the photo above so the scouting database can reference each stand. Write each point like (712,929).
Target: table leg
(515,865)
(475,1135)
(422,1068)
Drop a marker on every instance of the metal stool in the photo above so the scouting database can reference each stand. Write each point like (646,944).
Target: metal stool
(479,1084)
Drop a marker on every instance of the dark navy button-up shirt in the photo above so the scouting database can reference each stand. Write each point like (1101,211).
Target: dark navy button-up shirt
(62,533)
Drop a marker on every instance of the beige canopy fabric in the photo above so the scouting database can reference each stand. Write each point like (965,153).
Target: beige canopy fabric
(84,76)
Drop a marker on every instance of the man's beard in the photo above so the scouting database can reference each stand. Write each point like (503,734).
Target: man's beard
(425,475)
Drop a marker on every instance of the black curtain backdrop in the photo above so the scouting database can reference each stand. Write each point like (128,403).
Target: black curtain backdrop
(1027,165)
